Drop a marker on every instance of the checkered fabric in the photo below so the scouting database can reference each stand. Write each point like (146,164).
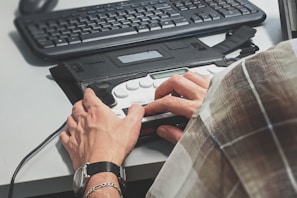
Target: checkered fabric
(242,141)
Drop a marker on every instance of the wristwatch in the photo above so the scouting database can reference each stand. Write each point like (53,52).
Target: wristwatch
(83,174)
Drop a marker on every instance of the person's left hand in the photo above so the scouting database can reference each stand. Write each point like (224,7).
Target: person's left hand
(94,133)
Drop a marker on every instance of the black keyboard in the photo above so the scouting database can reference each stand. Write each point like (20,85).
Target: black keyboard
(73,32)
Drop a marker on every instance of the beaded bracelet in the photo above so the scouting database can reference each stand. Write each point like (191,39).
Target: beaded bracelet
(105,184)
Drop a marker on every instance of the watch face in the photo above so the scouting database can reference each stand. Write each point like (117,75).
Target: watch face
(78,179)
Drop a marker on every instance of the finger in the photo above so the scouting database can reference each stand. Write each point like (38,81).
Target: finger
(147,131)
(90,100)
(182,86)
(170,133)
(179,106)
(78,110)
(71,124)
(202,81)
(64,139)
(135,115)
(64,136)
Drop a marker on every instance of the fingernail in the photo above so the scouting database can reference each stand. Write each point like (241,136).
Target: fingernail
(162,130)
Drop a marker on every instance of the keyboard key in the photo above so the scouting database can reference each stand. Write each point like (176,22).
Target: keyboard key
(252,9)
(142,28)
(73,40)
(162,6)
(167,24)
(46,44)
(205,17)
(196,19)
(180,22)
(60,42)
(172,13)
(154,26)
(107,35)
(230,13)
(215,16)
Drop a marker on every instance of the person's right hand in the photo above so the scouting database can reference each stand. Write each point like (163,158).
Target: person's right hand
(181,95)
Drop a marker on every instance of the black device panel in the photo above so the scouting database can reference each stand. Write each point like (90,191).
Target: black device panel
(114,67)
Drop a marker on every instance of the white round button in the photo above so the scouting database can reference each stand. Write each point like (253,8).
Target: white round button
(146,82)
(132,85)
(120,93)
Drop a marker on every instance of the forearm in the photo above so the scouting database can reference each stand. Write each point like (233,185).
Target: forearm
(106,192)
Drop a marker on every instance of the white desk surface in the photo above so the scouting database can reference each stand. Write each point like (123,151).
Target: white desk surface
(33,106)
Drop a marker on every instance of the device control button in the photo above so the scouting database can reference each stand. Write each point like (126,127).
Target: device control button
(146,83)
(102,85)
(140,101)
(132,85)
(121,93)
(102,92)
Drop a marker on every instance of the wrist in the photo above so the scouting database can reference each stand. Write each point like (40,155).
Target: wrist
(107,157)
(102,177)
(103,185)
(89,171)
(97,159)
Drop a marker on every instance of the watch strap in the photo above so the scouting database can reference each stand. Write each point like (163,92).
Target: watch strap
(100,167)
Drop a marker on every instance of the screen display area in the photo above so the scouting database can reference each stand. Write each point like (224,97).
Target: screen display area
(140,56)
(167,74)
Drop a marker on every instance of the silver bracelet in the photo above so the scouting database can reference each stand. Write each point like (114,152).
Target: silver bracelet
(105,184)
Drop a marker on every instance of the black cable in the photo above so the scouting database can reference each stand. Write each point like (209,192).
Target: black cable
(31,154)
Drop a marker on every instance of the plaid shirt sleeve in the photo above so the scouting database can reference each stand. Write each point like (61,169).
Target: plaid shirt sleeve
(242,141)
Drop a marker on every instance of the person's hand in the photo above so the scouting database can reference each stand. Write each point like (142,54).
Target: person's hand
(94,133)
(181,95)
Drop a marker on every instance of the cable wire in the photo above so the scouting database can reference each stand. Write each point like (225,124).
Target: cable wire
(31,154)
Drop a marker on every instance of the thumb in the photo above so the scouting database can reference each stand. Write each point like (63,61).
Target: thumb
(170,133)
